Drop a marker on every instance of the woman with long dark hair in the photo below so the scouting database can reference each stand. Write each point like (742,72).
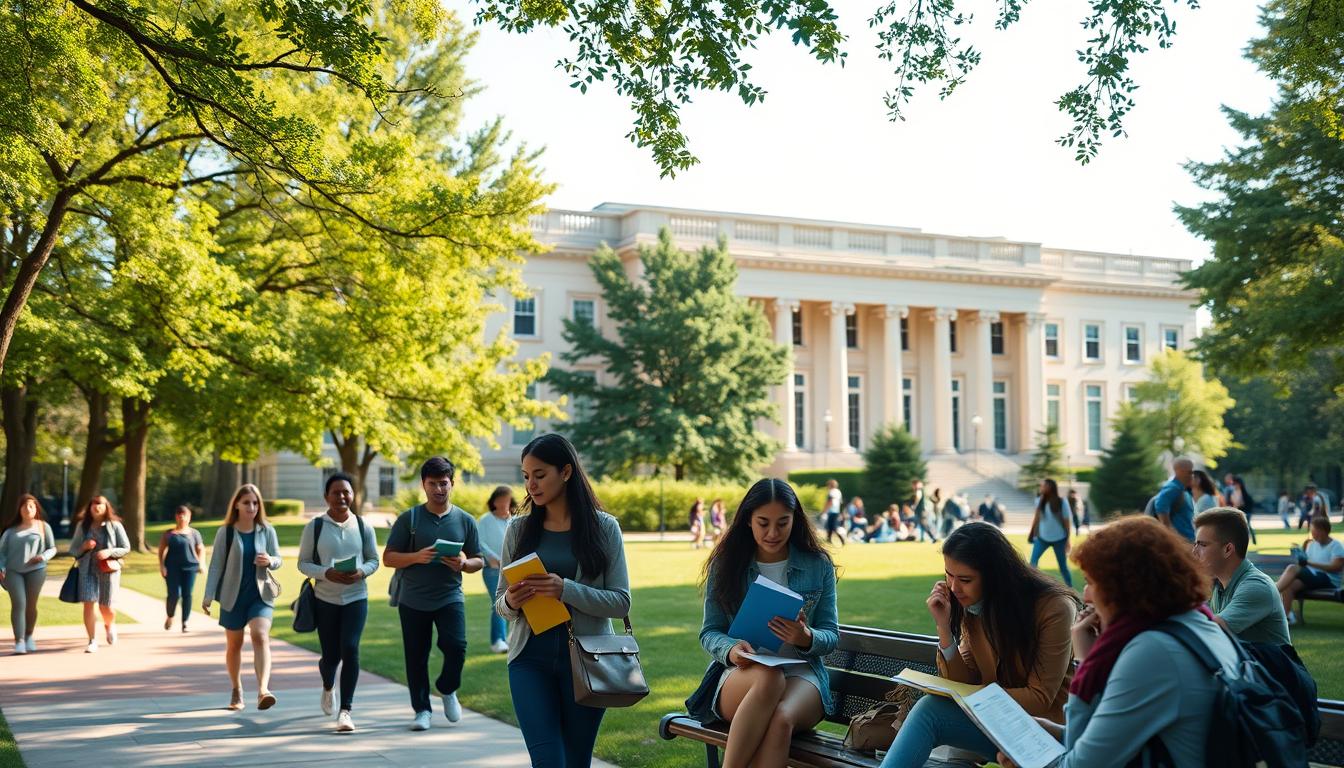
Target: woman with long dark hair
(1240,498)
(499,510)
(770,536)
(1202,490)
(1050,528)
(581,547)
(25,547)
(181,552)
(999,621)
(99,542)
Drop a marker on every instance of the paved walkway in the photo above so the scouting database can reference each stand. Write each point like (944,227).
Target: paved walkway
(158,698)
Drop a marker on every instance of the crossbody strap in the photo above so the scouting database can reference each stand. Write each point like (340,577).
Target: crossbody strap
(317,533)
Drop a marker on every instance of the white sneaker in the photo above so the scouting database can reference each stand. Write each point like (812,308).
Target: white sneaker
(32,644)
(343,722)
(421,722)
(111,635)
(1292,618)
(327,703)
(20,648)
(499,646)
(451,709)
(92,647)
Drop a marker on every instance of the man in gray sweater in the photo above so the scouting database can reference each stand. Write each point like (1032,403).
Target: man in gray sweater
(1244,599)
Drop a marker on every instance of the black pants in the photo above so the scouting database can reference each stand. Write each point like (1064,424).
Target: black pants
(339,628)
(417,634)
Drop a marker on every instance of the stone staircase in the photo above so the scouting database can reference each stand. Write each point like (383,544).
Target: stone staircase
(975,476)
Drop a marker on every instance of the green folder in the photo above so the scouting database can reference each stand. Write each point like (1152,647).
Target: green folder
(348,565)
(447,548)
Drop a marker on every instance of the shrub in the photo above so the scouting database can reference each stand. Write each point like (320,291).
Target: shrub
(850,480)
(1128,474)
(284,508)
(1047,461)
(892,462)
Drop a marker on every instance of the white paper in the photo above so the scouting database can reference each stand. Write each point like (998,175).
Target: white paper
(766,660)
(764,582)
(1009,726)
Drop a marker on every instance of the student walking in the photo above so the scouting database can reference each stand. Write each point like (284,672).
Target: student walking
(764,706)
(697,523)
(181,552)
(98,543)
(245,551)
(499,510)
(1050,528)
(717,520)
(834,524)
(429,595)
(1172,505)
(26,546)
(581,547)
(922,510)
(1285,510)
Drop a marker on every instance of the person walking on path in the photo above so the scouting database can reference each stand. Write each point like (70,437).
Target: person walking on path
(181,552)
(1240,498)
(717,520)
(1050,528)
(98,543)
(491,527)
(1285,510)
(339,553)
(921,510)
(583,551)
(25,548)
(245,552)
(1311,505)
(697,523)
(1082,515)
(833,509)
(1172,505)
(429,596)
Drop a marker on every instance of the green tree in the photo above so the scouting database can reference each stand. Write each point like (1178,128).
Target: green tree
(1283,430)
(691,368)
(892,461)
(1182,410)
(660,56)
(1046,461)
(1129,473)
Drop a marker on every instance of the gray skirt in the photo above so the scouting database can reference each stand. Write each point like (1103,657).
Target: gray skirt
(96,586)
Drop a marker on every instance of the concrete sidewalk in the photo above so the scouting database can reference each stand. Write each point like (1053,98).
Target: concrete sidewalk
(157,698)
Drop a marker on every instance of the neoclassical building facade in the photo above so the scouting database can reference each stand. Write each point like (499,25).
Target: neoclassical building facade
(974,343)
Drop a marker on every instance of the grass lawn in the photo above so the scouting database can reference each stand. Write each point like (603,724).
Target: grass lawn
(880,585)
(9,750)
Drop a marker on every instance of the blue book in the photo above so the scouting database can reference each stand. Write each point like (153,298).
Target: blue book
(764,601)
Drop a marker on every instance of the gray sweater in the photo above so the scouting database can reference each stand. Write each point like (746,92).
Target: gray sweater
(338,541)
(17,547)
(223,580)
(593,599)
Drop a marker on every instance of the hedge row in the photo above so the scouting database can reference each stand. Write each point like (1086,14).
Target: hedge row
(636,503)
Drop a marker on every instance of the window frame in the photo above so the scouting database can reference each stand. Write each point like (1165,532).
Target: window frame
(854,410)
(535,314)
(908,412)
(996,398)
(799,426)
(1059,340)
(796,327)
(574,302)
(1125,343)
(1099,341)
(1100,401)
(852,330)
(996,338)
(1166,329)
(1058,399)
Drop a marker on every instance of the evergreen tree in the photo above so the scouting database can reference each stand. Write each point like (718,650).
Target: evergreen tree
(892,462)
(1047,461)
(1129,473)
(691,366)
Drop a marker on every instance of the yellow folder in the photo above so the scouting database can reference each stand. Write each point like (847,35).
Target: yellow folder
(939,686)
(541,612)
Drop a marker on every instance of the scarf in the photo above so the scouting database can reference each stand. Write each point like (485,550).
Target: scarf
(1092,674)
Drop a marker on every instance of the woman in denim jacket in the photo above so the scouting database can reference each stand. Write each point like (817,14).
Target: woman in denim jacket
(769,536)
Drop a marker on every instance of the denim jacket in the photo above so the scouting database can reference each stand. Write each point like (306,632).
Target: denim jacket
(813,577)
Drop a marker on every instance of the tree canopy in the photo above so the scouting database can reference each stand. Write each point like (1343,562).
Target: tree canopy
(1181,410)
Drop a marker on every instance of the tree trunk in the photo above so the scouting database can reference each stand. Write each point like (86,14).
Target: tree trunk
(361,491)
(20,424)
(222,480)
(29,268)
(98,445)
(135,421)
(354,462)
(679,471)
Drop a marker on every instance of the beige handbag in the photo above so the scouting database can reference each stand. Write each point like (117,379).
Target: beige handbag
(876,728)
(606,668)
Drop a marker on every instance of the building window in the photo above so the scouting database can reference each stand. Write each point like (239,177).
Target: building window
(1133,344)
(523,436)
(525,316)
(952,335)
(1000,415)
(583,405)
(1052,340)
(996,338)
(852,331)
(907,404)
(956,414)
(1129,391)
(855,412)
(1092,398)
(387,482)
(585,312)
(905,334)
(1092,342)
(1171,338)
(799,410)
(797,327)
(1053,396)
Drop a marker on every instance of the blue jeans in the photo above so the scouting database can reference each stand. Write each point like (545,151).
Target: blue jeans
(180,581)
(1038,548)
(935,721)
(499,629)
(559,732)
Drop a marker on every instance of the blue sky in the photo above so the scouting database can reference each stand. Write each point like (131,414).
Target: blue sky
(982,162)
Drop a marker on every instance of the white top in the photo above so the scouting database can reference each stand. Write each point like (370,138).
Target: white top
(1205,502)
(338,541)
(1324,553)
(832,503)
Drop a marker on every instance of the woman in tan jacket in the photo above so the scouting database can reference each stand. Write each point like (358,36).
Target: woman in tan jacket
(999,621)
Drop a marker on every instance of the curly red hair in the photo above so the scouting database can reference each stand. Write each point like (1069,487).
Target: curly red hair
(1143,568)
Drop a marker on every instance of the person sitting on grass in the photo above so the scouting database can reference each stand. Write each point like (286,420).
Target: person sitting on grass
(1318,567)
(764,706)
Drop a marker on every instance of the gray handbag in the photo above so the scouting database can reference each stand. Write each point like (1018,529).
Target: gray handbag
(606,668)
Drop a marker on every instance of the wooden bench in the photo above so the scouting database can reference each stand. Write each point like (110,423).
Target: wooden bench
(860,669)
(1273,565)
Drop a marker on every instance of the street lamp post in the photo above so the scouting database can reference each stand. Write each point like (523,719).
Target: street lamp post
(827,418)
(976,421)
(66,453)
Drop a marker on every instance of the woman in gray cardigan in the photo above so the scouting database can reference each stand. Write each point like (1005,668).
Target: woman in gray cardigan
(584,555)
(245,552)
(25,547)
(98,543)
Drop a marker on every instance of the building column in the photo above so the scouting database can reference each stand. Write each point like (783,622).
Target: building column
(984,382)
(942,379)
(837,435)
(1031,389)
(784,309)
(892,375)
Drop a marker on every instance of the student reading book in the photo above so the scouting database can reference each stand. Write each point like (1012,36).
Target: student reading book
(764,705)
(764,601)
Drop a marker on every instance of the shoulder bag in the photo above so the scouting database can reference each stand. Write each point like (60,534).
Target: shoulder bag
(305,612)
(70,587)
(270,586)
(394,585)
(111,564)
(876,728)
(606,668)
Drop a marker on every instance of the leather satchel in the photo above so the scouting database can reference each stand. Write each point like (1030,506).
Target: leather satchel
(110,565)
(876,728)
(606,668)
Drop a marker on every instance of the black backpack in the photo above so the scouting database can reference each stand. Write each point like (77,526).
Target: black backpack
(1256,721)
(1284,665)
